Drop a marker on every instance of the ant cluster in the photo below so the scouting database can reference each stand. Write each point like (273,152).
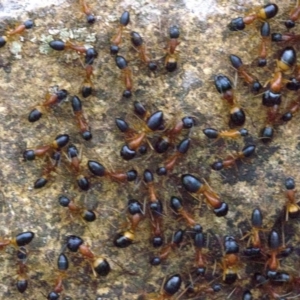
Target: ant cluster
(156,147)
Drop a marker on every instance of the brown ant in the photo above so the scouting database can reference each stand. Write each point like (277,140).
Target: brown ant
(169,164)
(267,132)
(75,160)
(224,87)
(136,215)
(292,207)
(266,12)
(126,74)
(63,266)
(177,207)
(85,214)
(287,37)
(156,209)
(136,140)
(272,265)
(256,223)
(285,63)
(90,18)
(51,99)
(228,162)
(293,17)
(197,289)
(117,39)
(212,133)
(139,45)
(229,263)
(21,239)
(22,278)
(169,289)
(198,238)
(253,82)
(166,250)
(18,30)
(156,230)
(264,43)
(171,57)
(294,108)
(170,134)
(51,166)
(194,185)
(80,119)
(99,170)
(59,45)
(100,265)
(59,142)
(87,86)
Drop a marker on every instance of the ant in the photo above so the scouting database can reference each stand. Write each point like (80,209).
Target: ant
(198,238)
(181,149)
(117,39)
(194,185)
(80,119)
(166,250)
(156,227)
(134,142)
(272,96)
(294,16)
(139,45)
(170,288)
(285,37)
(86,215)
(90,18)
(59,142)
(21,239)
(127,75)
(177,207)
(21,28)
(294,82)
(266,12)
(272,265)
(265,41)
(286,61)
(292,207)
(169,136)
(267,132)
(63,266)
(100,265)
(47,170)
(22,282)
(136,215)
(237,63)
(193,289)
(59,45)
(99,170)
(129,134)
(212,133)
(256,223)
(51,99)
(75,160)
(224,87)
(171,57)
(228,162)
(18,30)
(140,110)
(230,260)
(90,56)
(155,204)
(87,86)
(156,210)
